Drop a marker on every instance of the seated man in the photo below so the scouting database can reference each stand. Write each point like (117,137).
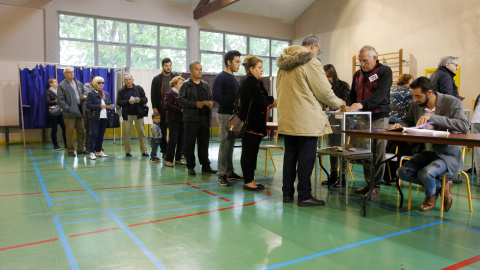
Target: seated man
(446,113)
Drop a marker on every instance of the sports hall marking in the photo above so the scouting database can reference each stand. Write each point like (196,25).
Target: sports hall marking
(29,244)
(462,264)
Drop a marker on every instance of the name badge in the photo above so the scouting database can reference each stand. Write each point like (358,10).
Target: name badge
(373,77)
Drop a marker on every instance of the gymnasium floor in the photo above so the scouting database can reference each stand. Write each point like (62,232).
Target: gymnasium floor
(58,212)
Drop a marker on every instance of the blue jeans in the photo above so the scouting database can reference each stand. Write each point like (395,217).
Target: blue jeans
(154,146)
(97,131)
(423,169)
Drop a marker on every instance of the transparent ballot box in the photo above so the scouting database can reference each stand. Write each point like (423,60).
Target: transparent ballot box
(338,142)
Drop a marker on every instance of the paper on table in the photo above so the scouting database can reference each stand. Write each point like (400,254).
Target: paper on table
(427,131)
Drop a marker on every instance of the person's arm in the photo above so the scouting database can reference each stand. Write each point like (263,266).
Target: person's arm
(170,103)
(318,83)
(217,92)
(253,89)
(182,98)
(352,97)
(383,90)
(344,90)
(91,102)
(48,99)
(455,121)
(62,99)
(154,92)
(122,101)
(446,87)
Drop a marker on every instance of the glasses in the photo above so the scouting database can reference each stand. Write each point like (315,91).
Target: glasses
(69,72)
(100,82)
(455,64)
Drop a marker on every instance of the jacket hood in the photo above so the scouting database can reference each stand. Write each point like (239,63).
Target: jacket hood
(294,56)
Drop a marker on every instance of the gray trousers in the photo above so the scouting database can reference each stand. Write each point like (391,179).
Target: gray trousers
(127,133)
(380,149)
(225,151)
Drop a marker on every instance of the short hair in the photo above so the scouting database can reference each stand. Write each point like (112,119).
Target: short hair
(447,59)
(127,74)
(310,40)
(175,80)
(96,80)
(330,69)
(192,64)
(404,79)
(65,69)
(155,115)
(93,77)
(50,81)
(424,83)
(251,61)
(166,60)
(230,55)
(370,49)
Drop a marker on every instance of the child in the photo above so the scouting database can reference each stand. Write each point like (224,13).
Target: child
(156,136)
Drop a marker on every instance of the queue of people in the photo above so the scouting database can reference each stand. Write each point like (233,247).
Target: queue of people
(306,90)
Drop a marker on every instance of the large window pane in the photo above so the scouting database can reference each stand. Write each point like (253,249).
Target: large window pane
(210,41)
(241,70)
(143,34)
(173,37)
(178,57)
(74,53)
(266,66)
(274,67)
(235,42)
(259,46)
(111,31)
(212,62)
(112,56)
(278,46)
(143,58)
(76,27)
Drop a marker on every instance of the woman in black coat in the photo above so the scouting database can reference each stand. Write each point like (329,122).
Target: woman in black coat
(252,91)
(55,116)
(98,102)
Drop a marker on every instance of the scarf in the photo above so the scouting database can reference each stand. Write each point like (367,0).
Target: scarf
(175,90)
(53,90)
(99,94)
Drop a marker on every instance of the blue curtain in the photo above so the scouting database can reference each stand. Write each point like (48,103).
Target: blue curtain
(34,83)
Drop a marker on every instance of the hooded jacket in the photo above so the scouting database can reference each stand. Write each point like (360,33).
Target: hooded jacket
(302,91)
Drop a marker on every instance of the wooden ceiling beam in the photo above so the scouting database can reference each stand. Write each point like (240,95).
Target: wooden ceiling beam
(204,7)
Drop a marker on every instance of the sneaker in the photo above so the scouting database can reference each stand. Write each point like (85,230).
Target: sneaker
(92,156)
(56,148)
(222,181)
(234,176)
(169,164)
(145,155)
(128,155)
(101,154)
(154,159)
(179,162)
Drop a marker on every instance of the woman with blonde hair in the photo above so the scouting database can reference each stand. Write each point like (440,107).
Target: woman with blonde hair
(174,119)
(254,102)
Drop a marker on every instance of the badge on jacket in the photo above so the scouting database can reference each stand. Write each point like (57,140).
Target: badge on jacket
(373,77)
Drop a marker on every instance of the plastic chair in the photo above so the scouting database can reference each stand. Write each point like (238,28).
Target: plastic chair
(268,148)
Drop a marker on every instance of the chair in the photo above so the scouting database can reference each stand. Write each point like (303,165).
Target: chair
(268,148)
(444,176)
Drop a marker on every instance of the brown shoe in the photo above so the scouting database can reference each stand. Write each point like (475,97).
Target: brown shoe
(447,197)
(429,203)
(362,190)
(72,154)
(376,193)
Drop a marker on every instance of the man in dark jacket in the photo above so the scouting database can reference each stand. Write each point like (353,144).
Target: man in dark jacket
(195,98)
(71,94)
(132,99)
(371,93)
(442,78)
(160,86)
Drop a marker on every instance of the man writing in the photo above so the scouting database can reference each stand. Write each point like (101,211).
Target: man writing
(371,93)
(225,92)
(446,113)
(160,86)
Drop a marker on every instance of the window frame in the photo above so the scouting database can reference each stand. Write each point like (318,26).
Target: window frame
(128,45)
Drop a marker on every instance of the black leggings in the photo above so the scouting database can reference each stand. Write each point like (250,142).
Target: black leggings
(55,121)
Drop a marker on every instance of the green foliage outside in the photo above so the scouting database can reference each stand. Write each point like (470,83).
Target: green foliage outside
(143,58)
(75,53)
(112,56)
(143,34)
(173,37)
(76,27)
(111,31)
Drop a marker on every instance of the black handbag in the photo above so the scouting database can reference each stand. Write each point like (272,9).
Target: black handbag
(235,126)
(54,110)
(114,121)
(145,110)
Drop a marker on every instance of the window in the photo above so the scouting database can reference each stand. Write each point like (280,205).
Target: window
(214,45)
(90,41)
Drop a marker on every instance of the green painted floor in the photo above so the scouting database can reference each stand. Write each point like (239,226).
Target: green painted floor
(59,212)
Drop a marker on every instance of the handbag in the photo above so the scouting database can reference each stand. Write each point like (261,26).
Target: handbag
(54,110)
(145,110)
(114,121)
(235,126)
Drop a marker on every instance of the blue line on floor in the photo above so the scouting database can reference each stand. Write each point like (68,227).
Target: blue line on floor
(65,244)
(348,246)
(40,179)
(137,241)
(78,177)
(56,175)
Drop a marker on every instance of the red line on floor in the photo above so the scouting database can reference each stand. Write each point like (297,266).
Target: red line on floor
(100,231)
(213,194)
(33,193)
(196,214)
(466,196)
(462,264)
(29,244)
(73,190)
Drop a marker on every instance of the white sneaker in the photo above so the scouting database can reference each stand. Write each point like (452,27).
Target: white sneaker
(92,156)
(101,154)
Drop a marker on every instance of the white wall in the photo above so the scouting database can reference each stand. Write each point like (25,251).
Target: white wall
(35,35)
(427,30)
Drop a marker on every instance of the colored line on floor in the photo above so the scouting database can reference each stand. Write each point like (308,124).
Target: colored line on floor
(196,214)
(327,252)
(87,233)
(33,193)
(213,194)
(137,241)
(65,244)
(29,244)
(40,179)
(462,264)
(466,196)
(17,172)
